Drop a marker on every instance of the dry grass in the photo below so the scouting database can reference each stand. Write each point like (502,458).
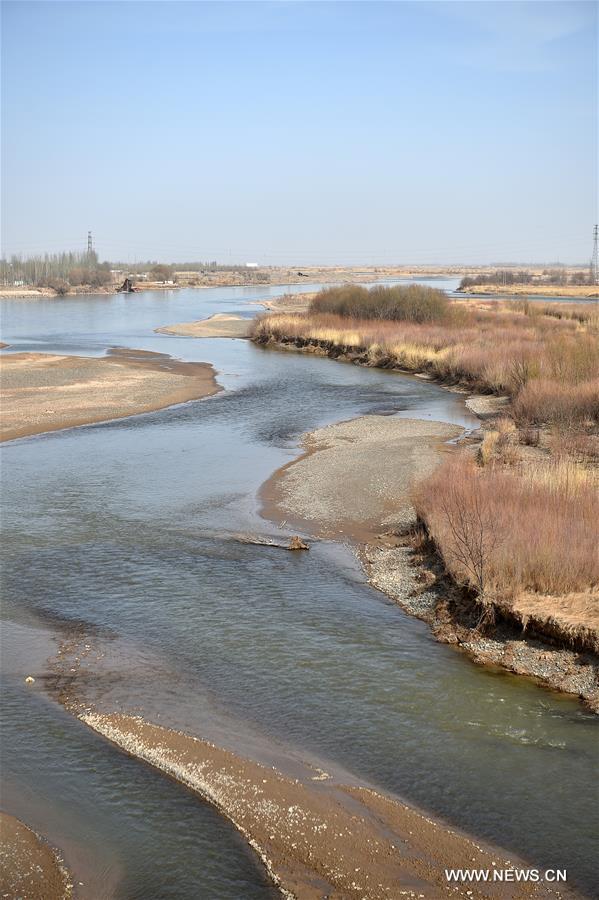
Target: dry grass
(500,445)
(549,401)
(514,522)
(540,525)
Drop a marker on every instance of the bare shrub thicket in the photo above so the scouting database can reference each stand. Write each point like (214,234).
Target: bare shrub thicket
(410,303)
(73,268)
(505,277)
(503,533)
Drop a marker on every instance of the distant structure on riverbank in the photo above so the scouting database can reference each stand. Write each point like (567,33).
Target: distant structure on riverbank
(126,287)
(595,256)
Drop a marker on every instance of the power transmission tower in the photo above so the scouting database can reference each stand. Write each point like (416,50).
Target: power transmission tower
(595,256)
(90,244)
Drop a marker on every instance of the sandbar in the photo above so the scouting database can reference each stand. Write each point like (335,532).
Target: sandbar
(315,836)
(42,392)
(29,868)
(220,325)
(355,477)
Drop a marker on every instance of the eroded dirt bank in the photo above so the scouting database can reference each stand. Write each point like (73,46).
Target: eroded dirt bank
(318,838)
(43,392)
(29,868)
(354,482)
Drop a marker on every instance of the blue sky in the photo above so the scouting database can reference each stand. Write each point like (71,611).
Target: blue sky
(351,132)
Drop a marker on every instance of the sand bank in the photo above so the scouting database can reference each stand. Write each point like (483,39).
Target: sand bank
(318,838)
(42,392)
(355,477)
(219,325)
(29,868)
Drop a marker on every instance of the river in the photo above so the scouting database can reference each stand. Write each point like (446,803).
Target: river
(124,531)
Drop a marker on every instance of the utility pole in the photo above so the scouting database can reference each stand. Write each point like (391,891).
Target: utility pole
(90,244)
(595,256)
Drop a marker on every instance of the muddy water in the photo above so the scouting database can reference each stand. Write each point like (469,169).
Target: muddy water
(124,533)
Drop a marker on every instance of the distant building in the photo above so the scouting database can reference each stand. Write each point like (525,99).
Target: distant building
(251,265)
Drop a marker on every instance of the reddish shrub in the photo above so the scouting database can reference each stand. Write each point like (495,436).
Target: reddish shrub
(528,534)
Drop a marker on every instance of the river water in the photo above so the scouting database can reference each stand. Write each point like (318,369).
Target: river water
(125,531)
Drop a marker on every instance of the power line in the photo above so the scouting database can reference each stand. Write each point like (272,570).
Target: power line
(595,256)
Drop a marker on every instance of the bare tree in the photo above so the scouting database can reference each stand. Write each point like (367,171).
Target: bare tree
(162,272)
(475,535)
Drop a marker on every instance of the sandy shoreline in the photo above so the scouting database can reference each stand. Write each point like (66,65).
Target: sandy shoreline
(318,838)
(29,868)
(42,392)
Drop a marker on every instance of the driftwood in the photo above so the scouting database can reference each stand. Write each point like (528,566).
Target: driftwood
(295,543)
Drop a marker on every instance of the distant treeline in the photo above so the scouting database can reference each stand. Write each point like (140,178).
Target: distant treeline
(139,268)
(411,303)
(58,271)
(503,277)
(61,271)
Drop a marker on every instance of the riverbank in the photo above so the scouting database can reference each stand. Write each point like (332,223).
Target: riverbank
(42,392)
(408,571)
(532,355)
(317,837)
(567,291)
(355,482)
(244,277)
(29,868)
(83,290)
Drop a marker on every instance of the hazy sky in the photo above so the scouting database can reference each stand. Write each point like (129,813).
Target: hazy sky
(352,132)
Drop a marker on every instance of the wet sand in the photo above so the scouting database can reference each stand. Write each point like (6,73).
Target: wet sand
(29,868)
(355,477)
(218,325)
(317,837)
(42,392)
